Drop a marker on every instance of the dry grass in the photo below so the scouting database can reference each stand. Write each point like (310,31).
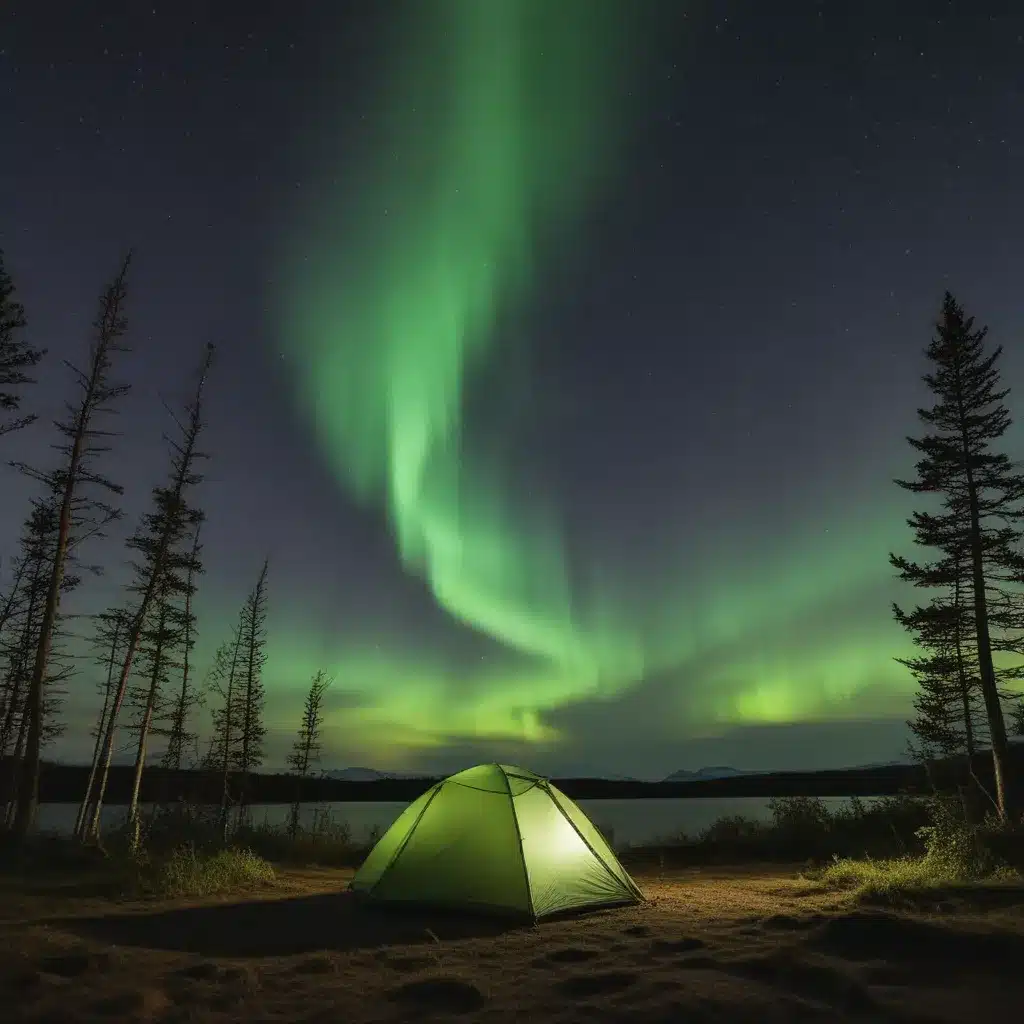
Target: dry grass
(756,945)
(188,872)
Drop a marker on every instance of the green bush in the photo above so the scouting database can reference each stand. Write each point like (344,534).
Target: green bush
(954,848)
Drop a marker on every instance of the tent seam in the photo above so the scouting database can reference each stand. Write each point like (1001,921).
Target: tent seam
(561,810)
(519,836)
(408,835)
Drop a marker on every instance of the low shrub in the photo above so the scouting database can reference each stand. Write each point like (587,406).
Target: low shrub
(800,830)
(956,852)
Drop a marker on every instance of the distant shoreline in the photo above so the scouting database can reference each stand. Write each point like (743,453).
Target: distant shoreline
(66,783)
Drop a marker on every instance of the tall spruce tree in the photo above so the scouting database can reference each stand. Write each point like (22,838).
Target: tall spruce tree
(81,513)
(977,522)
(17,357)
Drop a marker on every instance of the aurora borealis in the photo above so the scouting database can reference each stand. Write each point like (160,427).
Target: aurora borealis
(499,121)
(567,355)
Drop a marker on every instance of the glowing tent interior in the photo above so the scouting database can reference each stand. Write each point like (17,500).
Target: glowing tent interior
(500,839)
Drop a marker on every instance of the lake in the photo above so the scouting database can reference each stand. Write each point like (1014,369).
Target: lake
(627,821)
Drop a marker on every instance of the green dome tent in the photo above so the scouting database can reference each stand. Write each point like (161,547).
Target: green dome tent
(495,838)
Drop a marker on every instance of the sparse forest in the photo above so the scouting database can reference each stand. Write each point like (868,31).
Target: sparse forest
(154,704)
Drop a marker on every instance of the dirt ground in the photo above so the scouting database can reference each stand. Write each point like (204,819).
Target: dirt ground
(711,945)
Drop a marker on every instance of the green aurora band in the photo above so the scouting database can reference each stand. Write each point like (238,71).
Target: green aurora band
(502,127)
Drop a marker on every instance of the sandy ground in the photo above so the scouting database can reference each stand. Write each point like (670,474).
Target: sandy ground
(712,945)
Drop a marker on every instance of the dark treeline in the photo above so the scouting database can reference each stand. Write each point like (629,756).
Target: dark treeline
(62,783)
(198,732)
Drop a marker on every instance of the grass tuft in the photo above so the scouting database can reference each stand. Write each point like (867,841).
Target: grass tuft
(872,879)
(186,871)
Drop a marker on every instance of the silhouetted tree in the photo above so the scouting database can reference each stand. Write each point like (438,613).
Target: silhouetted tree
(1018,717)
(188,697)
(948,720)
(108,641)
(156,659)
(16,355)
(981,505)
(80,514)
(306,748)
(253,629)
(20,638)
(158,541)
(223,684)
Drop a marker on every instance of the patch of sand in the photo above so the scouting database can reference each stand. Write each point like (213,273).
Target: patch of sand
(711,945)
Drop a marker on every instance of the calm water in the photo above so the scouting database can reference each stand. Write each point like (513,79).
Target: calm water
(628,821)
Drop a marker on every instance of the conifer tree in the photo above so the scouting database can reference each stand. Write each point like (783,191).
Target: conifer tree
(253,629)
(17,357)
(306,748)
(949,719)
(982,503)
(81,514)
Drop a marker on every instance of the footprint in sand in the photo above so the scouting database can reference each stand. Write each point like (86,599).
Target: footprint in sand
(639,931)
(146,1003)
(445,995)
(74,965)
(569,955)
(315,965)
(596,984)
(686,944)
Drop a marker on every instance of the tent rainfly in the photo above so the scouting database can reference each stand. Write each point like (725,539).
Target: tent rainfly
(495,838)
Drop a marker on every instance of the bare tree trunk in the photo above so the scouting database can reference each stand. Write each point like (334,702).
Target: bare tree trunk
(144,727)
(16,710)
(989,690)
(86,805)
(177,741)
(28,788)
(93,828)
(18,666)
(140,762)
(17,764)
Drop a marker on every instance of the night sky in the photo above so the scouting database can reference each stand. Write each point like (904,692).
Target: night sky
(566,351)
